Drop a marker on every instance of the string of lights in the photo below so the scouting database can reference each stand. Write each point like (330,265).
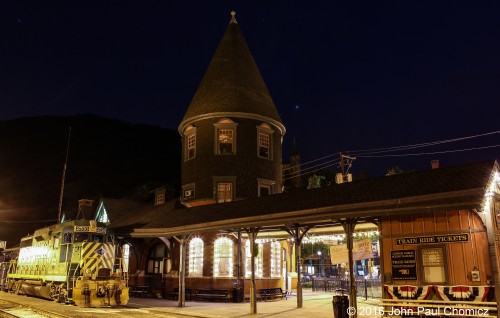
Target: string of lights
(311,239)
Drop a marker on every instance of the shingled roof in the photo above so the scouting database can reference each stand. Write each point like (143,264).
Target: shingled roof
(232,83)
(453,187)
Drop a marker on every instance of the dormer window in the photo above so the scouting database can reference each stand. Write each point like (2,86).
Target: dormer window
(188,191)
(264,141)
(225,137)
(159,198)
(190,142)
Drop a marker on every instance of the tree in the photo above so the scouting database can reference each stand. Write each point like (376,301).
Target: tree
(315,181)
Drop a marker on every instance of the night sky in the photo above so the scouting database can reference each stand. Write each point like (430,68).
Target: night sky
(345,75)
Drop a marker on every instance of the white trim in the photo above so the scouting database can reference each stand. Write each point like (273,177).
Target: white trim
(266,119)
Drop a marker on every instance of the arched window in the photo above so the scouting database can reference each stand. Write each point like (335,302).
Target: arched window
(223,257)
(258,260)
(126,257)
(275,259)
(196,257)
(157,259)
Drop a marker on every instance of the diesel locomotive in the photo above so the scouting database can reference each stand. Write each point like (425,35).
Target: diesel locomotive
(73,262)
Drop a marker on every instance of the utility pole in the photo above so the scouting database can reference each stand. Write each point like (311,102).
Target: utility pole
(345,161)
(59,212)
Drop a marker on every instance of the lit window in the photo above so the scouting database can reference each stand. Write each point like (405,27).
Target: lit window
(264,141)
(225,137)
(275,259)
(433,265)
(196,257)
(225,140)
(264,146)
(223,257)
(258,260)
(126,257)
(224,192)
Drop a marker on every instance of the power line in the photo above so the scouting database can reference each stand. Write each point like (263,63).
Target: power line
(397,155)
(427,153)
(426,144)
(309,168)
(398,148)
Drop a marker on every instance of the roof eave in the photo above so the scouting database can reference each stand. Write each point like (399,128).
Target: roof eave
(463,199)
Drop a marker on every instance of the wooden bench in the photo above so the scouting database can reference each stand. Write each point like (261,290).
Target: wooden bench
(415,308)
(211,294)
(175,294)
(272,293)
(139,291)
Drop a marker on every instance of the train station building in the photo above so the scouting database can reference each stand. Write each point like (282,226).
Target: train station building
(425,236)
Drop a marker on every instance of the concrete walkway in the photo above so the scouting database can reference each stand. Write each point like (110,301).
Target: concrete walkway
(315,305)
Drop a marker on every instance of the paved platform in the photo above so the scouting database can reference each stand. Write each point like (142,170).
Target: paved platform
(315,305)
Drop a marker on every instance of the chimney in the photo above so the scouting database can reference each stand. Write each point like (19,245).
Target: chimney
(435,164)
(85,208)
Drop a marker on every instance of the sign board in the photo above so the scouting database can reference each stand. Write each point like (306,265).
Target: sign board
(434,239)
(361,250)
(83,228)
(404,265)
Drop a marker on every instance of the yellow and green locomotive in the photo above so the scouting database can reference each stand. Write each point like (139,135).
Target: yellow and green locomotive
(72,262)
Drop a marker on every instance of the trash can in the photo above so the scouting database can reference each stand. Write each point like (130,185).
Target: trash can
(340,305)
(237,295)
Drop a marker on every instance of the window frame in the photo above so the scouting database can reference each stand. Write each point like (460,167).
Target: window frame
(221,180)
(189,132)
(265,129)
(159,263)
(159,198)
(266,183)
(229,257)
(259,260)
(189,187)
(195,269)
(276,261)
(422,267)
(221,125)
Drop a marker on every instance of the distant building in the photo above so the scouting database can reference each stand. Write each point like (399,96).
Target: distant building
(292,173)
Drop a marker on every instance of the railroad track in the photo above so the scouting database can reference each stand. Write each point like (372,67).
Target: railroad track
(9,309)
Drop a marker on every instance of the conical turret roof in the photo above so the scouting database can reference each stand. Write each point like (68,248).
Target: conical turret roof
(232,85)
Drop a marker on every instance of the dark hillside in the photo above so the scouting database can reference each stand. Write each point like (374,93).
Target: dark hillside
(106,158)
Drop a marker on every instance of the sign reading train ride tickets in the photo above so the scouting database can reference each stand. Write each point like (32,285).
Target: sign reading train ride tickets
(404,265)
(450,238)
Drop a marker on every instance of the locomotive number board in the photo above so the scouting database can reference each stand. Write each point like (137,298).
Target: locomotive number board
(86,228)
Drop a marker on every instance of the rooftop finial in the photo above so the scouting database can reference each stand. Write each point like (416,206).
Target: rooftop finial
(233,17)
